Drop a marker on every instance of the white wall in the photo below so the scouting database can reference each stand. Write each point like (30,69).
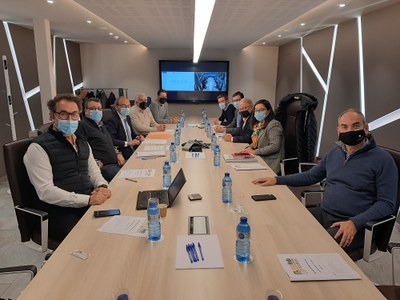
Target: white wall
(252,70)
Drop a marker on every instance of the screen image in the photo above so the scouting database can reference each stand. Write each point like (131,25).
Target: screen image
(196,83)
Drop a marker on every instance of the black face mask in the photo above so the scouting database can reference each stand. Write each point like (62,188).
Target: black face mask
(163,100)
(245,114)
(352,138)
(143,105)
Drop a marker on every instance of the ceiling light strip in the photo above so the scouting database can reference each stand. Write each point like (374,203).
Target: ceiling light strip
(328,83)
(314,69)
(69,65)
(19,76)
(202,15)
(361,65)
(386,119)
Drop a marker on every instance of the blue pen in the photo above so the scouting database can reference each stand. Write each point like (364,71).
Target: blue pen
(201,252)
(195,252)
(189,254)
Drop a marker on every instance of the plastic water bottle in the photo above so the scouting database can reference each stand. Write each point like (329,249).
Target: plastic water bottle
(178,126)
(166,175)
(183,116)
(177,137)
(172,153)
(227,188)
(208,130)
(213,141)
(217,158)
(153,217)
(243,241)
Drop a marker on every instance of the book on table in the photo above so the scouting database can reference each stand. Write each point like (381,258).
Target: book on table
(239,157)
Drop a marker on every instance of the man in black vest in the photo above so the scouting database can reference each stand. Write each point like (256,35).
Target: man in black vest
(107,157)
(62,169)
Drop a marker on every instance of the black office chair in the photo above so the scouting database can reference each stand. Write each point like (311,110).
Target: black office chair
(296,114)
(377,233)
(32,223)
(107,114)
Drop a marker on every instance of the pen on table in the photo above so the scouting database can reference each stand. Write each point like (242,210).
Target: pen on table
(192,245)
(189,254)
(130,179)
(201,252)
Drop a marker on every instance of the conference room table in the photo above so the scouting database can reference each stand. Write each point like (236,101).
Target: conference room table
(121,264)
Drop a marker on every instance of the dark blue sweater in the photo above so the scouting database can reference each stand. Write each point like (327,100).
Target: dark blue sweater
(361,187)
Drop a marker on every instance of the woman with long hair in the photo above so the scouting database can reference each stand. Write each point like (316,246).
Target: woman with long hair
(267,138)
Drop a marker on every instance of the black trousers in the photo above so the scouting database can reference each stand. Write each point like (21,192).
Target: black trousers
(326,220)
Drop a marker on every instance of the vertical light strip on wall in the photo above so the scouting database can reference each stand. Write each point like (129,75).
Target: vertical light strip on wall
(54,58)
(361,65)
(328,83)
(19,77)
(202,14)
(69,65)
(301,65)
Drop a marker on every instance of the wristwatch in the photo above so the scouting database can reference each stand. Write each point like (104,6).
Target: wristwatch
(126,144)
(103,186)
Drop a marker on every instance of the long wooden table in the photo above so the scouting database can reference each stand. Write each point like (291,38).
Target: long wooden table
(122,264)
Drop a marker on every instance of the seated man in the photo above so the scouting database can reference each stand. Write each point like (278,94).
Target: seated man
(142,119)
(62,169)
(361,182)
(121,130)
(159,109)
(228,111)
(107,157)
(243,133)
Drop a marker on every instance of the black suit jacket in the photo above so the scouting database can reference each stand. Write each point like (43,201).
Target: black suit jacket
(243,135)
(117,132)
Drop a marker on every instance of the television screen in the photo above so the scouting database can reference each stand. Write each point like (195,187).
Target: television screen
(186,81)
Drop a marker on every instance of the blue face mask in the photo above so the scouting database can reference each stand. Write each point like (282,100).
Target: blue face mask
(96,115)
(125,111)
(260,116)
(67,127)
(236,104)
(222,105)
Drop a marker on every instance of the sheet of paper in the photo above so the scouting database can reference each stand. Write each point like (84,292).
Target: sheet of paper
(155,148)
(159,135)
(137,173)
(154,142)
(320,266)
(170,131)
(210,249)
(150,153)
(195,155)
(193,125)
(126,225)
(249,167)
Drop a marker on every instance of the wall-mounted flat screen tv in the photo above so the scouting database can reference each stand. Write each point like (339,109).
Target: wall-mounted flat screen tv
(188,82)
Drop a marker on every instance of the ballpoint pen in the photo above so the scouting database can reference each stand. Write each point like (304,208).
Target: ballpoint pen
(201,252)
(189,254)
(196,257)
(130,179)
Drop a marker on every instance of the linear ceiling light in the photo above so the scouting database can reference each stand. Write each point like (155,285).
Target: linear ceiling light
(202,14)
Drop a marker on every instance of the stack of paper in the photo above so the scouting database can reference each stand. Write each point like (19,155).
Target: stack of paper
(239,157)
(249,167)
(150,153)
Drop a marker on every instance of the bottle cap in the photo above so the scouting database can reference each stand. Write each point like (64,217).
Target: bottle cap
(227,174)
(243,219)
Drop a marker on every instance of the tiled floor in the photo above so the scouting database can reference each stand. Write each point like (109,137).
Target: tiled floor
(13,252)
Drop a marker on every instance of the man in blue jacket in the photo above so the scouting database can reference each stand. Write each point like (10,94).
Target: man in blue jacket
(361,182)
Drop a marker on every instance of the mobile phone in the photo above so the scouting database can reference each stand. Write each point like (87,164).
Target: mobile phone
(193,197)
(264,197)
(106,213)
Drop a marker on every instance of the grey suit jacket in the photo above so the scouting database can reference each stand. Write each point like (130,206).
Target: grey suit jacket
(271,145)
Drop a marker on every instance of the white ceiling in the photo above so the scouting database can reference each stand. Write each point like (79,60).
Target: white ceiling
(235,24)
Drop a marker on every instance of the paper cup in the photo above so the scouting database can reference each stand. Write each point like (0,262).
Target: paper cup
(163,210)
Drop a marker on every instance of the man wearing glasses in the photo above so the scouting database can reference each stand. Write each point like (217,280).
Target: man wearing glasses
(108,158)
(62,169)
(121,130)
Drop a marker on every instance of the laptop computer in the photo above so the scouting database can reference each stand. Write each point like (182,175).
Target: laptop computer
(164,196)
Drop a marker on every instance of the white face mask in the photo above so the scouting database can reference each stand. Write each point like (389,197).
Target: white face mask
(222,105)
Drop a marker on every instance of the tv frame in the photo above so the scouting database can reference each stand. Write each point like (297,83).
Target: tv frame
(194,96)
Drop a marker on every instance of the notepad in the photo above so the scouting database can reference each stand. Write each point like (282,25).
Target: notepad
(239,158)
(249,167)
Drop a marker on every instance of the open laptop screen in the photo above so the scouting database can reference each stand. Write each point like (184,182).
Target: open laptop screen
(176,186)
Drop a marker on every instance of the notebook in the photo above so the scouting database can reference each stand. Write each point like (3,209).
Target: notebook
(164,196)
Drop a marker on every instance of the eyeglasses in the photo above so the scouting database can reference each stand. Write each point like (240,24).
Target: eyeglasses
(124,106)
(64,115)
(94,108)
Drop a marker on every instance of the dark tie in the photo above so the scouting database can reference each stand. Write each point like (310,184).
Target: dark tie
(128,130)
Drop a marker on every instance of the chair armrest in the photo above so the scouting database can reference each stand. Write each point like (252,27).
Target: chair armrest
(393,245)
(44,224)
(292,164)
(306,193)
(379,232)
(305,166)
(31,269)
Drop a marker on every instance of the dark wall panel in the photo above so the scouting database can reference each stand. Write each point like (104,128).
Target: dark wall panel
(74,54)
(63,82)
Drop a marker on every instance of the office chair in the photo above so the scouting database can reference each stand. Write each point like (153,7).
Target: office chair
(296,114)
(107,114)
(44,128)
(32,223)
(377,233)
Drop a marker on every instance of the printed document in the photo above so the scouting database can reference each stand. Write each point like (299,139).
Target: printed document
(137,173)
(126,225)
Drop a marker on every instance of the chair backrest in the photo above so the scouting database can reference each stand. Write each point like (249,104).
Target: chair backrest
(43,128)
(107,114)
(22,190)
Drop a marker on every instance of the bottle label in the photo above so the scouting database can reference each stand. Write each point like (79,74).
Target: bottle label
(242,235)
(153,218)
